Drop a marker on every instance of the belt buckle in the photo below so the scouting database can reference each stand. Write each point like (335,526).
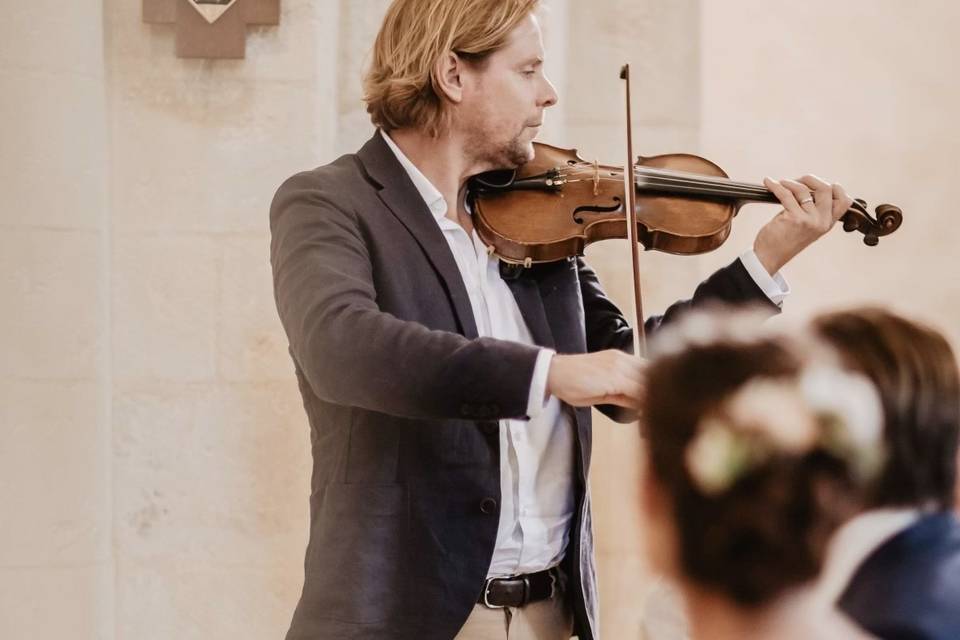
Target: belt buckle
(486,595)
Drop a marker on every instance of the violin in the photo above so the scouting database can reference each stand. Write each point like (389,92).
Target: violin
(552,207)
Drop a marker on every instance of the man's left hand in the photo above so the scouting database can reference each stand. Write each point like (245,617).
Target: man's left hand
(811,206)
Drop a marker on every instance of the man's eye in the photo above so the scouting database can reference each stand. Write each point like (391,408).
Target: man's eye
(529,72)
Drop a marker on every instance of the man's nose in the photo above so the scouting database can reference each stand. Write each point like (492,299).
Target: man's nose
(550,96)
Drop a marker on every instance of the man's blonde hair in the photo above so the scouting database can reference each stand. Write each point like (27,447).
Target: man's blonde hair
(401,88)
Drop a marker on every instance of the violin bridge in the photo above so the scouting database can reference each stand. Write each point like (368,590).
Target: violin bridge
(596,177)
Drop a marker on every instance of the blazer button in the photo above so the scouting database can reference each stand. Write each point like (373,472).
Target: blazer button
(488,506)
(490,427)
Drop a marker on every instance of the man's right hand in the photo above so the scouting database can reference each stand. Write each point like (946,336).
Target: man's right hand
(602,377)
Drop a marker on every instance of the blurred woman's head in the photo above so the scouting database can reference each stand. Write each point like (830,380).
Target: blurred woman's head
(757,452)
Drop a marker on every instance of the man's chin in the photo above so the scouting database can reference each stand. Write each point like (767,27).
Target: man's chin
(521,154)
(510,156)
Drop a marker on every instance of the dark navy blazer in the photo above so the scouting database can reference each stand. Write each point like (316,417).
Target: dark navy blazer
(403,399)
(909,587)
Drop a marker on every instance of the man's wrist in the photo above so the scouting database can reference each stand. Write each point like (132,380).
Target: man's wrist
(769,259)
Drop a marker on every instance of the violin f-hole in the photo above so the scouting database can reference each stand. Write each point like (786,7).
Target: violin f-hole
(597,208)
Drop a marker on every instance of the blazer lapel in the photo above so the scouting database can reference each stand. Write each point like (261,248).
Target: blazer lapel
(402,198)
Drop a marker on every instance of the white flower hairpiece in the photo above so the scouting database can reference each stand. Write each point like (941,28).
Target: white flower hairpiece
(702,327)
(824,407)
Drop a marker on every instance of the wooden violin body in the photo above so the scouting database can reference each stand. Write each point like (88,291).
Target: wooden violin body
(555,205)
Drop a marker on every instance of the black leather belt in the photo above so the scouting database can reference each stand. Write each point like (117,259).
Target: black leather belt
(517,591)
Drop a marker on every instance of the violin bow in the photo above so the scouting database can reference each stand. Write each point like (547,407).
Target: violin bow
(630,202)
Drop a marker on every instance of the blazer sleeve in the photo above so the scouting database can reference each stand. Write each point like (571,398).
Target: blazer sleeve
(351,352)
(606,327)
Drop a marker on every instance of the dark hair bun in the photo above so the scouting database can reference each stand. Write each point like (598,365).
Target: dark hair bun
(769,531)
(751,446)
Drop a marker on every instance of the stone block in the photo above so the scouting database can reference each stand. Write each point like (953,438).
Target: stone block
(208,157)
(75,602)
(164,306)
(252,344)
(53,171)
(180,598)
(54,288)
(75,27)
(55,490)
(218,474)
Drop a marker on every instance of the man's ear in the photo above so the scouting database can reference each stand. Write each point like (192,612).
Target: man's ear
(449,77)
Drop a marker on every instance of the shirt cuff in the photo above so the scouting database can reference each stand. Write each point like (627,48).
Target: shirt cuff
(774,287)
(537,399)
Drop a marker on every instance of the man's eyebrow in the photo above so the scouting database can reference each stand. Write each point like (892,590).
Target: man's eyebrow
(535,61)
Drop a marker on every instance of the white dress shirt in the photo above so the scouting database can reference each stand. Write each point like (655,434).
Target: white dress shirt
(537,457)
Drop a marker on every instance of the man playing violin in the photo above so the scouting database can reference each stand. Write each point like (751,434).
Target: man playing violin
(448,399)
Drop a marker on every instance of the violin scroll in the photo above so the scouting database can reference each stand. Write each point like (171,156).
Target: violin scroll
(857,218)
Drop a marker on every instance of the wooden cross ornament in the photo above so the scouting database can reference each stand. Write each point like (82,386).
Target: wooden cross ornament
(211,28)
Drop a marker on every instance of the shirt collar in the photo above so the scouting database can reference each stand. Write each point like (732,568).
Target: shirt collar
(430,194)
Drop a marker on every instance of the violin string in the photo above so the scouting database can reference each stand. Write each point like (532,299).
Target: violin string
(689,188)
(665,179)
(700,189)
(670,173)
(678,178)
(695,176)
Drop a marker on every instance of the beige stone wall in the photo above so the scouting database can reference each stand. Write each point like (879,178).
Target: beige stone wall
(153,447)
(863,91)
(56,559)
(210,450)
